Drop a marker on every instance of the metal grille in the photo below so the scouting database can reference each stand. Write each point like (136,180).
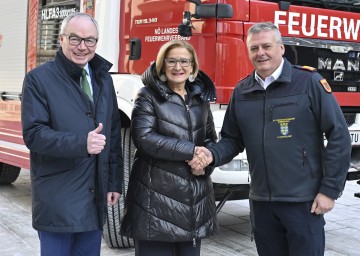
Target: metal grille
(49,27)
(351,78)
(48,38)
(349,118)
(301,55)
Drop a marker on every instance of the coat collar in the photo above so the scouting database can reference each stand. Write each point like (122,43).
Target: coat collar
(99,66)
(284,78)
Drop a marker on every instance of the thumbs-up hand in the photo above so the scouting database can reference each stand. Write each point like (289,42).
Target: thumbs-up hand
(96,141)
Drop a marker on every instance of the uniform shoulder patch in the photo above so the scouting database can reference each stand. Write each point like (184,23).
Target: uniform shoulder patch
(325,85)
(308,68)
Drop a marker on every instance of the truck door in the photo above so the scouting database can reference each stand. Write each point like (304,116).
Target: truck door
(153,23)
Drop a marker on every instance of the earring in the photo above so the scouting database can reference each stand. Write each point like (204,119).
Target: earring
(163,78)
(191,78)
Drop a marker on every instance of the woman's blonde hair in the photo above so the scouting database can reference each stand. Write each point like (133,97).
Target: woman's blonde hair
(164,50)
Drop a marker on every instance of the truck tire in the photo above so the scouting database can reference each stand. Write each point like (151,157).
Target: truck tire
(111,234)
(8,173)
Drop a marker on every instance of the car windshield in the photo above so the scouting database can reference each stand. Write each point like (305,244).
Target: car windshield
(341,5)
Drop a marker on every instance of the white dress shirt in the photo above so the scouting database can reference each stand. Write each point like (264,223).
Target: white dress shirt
(268,80)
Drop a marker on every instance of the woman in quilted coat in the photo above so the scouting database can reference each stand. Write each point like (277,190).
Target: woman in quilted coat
(169,208)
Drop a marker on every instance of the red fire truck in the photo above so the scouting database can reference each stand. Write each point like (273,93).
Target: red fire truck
(322,34)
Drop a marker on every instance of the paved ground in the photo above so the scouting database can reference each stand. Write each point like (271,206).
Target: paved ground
(17,238)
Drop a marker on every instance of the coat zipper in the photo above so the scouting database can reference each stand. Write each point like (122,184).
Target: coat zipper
(93,107)
(263,148)
(187,106)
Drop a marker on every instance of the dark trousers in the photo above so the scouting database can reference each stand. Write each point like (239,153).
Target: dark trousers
(151,248)
(287,229)
(70,244)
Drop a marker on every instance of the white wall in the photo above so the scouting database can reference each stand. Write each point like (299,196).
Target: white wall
(13,19)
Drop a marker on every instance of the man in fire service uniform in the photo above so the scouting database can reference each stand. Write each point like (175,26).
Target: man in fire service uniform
(280,114)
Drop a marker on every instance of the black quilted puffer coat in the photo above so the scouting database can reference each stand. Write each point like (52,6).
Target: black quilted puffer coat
(165,201)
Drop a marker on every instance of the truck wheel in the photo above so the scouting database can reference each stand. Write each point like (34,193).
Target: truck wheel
(8,173)
(111,234)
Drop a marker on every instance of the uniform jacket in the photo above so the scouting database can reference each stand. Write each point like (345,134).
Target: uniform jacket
(282,130)
(69,186)
(165,202)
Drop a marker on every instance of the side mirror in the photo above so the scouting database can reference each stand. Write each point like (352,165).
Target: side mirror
(284,5)
(213,11)
(184,29)
(203,11)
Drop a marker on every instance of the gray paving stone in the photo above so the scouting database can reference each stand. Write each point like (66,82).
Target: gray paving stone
(18,238)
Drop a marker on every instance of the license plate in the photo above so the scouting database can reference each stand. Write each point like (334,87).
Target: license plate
(355,138)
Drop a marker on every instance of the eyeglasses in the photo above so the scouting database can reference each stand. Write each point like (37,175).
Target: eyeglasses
(75,40)
(173,62)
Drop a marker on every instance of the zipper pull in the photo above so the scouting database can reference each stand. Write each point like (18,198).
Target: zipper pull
(304,157)
(187,108)
(194,242)
(271,113)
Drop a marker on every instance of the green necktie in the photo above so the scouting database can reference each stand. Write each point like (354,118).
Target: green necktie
(85,84)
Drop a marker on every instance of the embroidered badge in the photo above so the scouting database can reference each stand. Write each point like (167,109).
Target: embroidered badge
(325,85)
(284,127)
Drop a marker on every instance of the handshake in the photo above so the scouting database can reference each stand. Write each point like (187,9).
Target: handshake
(202,158)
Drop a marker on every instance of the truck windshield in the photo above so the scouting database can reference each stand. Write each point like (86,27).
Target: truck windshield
(340,5)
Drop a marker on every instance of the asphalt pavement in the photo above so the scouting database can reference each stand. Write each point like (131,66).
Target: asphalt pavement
(18,238)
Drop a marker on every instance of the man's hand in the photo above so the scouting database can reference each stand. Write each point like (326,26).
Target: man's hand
(96,141)
(202,158)
(113,198)
(322,204)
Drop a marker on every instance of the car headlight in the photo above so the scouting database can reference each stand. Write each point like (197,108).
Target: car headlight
(236,165)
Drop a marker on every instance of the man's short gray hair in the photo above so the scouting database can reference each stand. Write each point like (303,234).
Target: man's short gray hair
(77,14)
(265,26)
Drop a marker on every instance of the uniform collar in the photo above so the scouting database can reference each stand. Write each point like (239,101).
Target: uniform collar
(284,77)
(274,76)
